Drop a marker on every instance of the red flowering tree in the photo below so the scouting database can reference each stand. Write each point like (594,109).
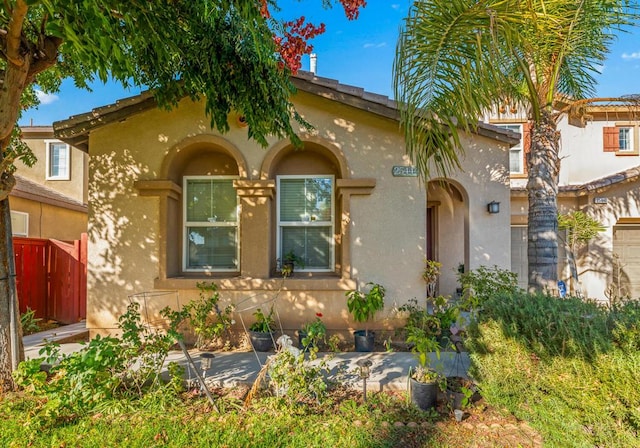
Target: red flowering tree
(232,53)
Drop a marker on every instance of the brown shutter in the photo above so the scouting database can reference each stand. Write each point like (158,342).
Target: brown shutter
(611,139)
(526,144)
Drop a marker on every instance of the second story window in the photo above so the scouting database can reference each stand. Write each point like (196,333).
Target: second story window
(516,154)
(621,138)
(58,161)
(625,139)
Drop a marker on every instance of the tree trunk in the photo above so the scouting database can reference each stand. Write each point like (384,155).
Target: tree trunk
(543,166)
(11,348)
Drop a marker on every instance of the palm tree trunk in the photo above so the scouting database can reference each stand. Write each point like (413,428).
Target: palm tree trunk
(543,166)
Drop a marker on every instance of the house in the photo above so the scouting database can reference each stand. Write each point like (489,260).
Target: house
(49,199)
(600,168)
(173,203)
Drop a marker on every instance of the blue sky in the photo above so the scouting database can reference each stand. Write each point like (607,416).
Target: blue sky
(356,52)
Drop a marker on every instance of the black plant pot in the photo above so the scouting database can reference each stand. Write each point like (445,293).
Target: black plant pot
(424,395)
(262,342)
(364,340)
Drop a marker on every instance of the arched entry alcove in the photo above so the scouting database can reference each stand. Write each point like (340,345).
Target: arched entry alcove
(448,231)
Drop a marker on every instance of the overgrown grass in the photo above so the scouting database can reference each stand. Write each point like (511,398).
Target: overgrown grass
(570,368)
(268,422)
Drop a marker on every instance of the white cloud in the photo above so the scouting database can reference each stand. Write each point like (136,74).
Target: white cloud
(380,45)
(395,6)
(46,98)
(634,55)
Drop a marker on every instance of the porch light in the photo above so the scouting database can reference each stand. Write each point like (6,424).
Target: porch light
(365,371)
(493,207)
(205,362)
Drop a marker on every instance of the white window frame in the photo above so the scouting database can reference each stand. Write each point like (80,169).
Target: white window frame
(24,216)
(519,147)
(310,222)
(66,155)
(186,224)
(630,131)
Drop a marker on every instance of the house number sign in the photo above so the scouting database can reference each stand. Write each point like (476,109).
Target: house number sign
(404,171)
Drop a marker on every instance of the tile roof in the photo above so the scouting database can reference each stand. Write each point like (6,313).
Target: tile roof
(75,129)
(28,189)
(595,186)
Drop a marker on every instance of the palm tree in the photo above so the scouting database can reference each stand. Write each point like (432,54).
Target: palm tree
(455,59)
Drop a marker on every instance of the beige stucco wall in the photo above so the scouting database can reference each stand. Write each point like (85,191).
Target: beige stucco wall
(385,229)
(48,221)
(75,187)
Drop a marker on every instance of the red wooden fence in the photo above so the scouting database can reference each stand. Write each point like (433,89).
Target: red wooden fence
(51,278)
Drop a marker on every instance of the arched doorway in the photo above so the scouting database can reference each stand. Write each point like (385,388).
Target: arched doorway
(448,231)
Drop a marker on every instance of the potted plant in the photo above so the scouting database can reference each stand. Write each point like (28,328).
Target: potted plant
(423,380)
(363,307)
(289,261)
(430,274)
(312,333)
(260,332)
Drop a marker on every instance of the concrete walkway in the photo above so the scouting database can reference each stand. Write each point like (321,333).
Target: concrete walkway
(389,370)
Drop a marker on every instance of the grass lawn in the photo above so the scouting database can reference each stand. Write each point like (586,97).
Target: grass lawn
(342,421)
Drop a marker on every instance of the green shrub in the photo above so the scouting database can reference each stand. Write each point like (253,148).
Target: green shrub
(29,321)
(483,283)
(561,365)
(208,321)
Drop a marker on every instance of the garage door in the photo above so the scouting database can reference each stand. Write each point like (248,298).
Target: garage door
(626,244)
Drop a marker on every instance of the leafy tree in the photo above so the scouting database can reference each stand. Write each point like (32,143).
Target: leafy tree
(457,58)
(581,228)
(232,53)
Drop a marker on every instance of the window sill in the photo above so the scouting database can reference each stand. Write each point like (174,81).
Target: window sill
(627,153)
(325,282)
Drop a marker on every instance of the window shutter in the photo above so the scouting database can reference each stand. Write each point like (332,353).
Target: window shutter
(611,139)
(526,145)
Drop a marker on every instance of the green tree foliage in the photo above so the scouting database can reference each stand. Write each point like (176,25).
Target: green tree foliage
(456,59)
(231,53)
(581,228)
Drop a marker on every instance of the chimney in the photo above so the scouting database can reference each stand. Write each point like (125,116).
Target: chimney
(313,63)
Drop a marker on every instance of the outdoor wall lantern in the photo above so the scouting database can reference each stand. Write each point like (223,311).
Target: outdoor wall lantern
(493,207)
(365,371)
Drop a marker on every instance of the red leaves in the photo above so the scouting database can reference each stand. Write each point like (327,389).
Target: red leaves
(294,43)
(352,7)
(296,35)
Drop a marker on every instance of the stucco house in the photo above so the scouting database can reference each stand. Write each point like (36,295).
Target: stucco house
(600,169)
(49,199)
(173,202)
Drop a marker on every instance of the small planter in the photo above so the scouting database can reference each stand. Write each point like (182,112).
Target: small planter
(423,395)
(456,397)
(262,342)
(364,340)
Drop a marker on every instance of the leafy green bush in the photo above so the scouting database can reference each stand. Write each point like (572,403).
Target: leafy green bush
(483,283)
(104,369)
(204,315)
(561,365)
(29,321)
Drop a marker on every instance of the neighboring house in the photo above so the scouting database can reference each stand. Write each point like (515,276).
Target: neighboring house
(173,203)
(600,169)
(50,198)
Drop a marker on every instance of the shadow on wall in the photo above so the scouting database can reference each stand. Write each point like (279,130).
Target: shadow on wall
(599,257)
(114,231)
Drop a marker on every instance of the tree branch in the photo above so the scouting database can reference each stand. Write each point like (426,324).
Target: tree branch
(14,36)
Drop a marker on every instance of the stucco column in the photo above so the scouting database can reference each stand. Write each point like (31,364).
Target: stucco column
(256,198)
